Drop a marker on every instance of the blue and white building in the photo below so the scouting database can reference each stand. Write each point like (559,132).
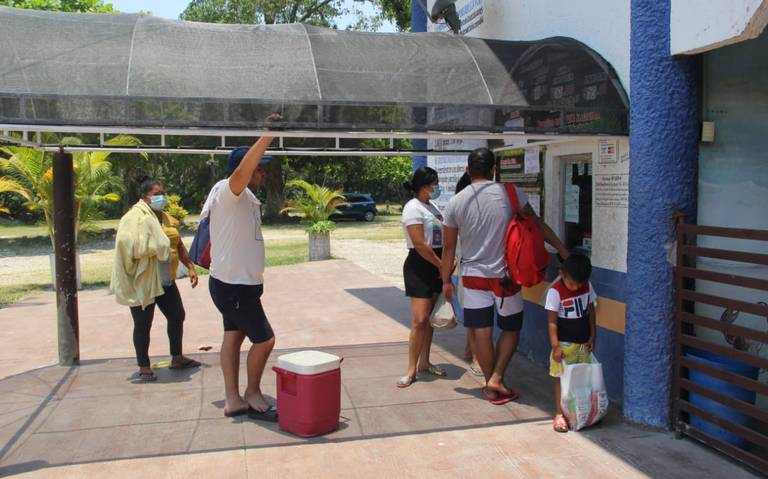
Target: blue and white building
(684,64)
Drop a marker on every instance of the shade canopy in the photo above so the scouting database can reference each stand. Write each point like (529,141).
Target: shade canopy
(143,71)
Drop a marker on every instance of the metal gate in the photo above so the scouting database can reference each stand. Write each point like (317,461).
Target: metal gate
(720,385)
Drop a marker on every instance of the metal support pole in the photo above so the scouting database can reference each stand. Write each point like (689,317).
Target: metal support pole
(64,249)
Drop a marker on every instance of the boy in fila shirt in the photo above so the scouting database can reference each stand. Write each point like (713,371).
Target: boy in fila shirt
(570,308)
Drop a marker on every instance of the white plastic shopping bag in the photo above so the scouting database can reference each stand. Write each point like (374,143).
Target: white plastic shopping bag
(583,396)
(443,316)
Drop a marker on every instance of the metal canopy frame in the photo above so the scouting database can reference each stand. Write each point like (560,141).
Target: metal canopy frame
(31,136)
(83,75)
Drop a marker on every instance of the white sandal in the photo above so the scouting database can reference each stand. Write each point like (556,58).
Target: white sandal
(405,381)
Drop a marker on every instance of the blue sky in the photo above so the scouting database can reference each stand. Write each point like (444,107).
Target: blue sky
(172,8)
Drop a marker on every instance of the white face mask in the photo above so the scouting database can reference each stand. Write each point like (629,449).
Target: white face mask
(436,192)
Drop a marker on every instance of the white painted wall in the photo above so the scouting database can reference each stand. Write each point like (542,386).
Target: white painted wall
(603,25)
(701,25)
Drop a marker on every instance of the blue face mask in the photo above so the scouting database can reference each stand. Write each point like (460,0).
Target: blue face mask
(158,202)
(436,192)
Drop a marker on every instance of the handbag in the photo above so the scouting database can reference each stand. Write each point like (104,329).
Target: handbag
(583,396)
(443,316)
(200,251)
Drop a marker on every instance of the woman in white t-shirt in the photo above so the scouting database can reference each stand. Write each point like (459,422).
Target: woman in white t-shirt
(423,227)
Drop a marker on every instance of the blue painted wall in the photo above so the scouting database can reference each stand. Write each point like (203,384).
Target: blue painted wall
(418,24)
(534,338)
(664,133)
(534,344)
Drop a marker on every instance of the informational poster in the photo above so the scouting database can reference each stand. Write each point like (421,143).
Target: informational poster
(610,199)
(450,168)
(612,191)
(532,161)
(608,153)
(523,168)
(511,169)
(571,197)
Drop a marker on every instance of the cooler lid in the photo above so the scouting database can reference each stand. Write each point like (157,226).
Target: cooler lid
(308,362)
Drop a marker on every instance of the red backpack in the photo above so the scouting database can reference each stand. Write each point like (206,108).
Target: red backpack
(526,257)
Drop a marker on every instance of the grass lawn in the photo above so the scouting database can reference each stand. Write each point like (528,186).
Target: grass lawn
(18,230)
(284,245)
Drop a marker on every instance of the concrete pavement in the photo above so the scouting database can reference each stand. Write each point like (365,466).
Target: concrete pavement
(93,421)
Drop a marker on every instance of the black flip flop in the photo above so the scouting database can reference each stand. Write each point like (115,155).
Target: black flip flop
(270,415)
(145,377)
(189,364)
(238,413)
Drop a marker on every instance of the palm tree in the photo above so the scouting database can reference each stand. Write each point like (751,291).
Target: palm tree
(316,205)
(9,185)
(95,184)
(27,168)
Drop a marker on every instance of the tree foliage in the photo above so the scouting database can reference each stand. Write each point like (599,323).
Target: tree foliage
(95,183)
(397,12)
(87,6)
(9,185)
(316,12)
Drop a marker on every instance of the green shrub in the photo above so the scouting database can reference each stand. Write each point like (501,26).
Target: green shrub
(320,227)
(175,209)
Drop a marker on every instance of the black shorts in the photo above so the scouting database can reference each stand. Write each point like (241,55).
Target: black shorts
(483,318)
(240,307)
(422,278)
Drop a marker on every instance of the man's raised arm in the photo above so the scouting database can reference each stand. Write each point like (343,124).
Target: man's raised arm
(242,174)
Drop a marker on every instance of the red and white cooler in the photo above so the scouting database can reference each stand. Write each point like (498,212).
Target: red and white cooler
(308,392)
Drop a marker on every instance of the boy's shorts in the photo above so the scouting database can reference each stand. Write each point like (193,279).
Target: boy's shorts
(572,353)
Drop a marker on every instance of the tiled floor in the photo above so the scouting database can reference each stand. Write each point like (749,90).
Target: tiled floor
(93,421)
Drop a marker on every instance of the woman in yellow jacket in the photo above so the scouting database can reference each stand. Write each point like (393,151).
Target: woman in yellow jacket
(148,249)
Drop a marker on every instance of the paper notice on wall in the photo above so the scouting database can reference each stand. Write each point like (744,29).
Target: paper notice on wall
(608,152)
(612,191)
(450,168)
(532,163)
(571,198)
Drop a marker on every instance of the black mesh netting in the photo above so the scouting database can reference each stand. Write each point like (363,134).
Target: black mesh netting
(139,70)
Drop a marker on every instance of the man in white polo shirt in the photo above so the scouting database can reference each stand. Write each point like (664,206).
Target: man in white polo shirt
(237,277)
(479,215)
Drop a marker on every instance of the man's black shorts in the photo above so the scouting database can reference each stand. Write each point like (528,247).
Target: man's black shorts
(240,307)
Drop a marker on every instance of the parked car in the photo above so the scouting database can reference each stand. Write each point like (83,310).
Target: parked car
(359,206)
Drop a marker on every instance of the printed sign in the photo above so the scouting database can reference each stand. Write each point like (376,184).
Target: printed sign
(450,168)
(608,153)
(532,161)
(612,191)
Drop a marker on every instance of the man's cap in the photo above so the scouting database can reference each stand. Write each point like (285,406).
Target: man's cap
(237,155)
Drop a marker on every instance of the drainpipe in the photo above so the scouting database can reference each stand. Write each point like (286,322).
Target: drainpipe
(418,24)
